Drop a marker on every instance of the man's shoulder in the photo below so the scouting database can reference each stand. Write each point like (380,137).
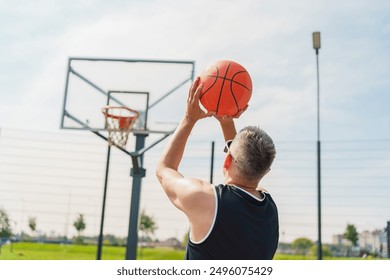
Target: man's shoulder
(198,185)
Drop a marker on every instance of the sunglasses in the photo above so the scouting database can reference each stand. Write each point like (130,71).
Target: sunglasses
(227,149)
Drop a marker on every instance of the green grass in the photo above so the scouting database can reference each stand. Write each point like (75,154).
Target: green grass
(311,257)
(44,251)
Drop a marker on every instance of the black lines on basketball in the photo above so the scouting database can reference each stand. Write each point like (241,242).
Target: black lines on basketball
(223,84)
(211,85)
(241,84)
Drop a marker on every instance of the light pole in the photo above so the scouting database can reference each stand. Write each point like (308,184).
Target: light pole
(317,46)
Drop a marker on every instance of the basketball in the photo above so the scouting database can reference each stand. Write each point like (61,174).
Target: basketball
(227,88)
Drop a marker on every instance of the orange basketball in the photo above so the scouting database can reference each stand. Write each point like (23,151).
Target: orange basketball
(227,88)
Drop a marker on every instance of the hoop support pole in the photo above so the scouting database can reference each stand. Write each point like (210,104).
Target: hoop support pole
(137,172)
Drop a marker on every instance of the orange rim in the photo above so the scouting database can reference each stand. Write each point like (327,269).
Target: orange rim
(113,116)
(124,122)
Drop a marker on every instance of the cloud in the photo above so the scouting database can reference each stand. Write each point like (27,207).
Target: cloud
(272,40)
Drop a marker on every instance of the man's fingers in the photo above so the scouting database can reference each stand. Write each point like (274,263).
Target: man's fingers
(198,92)
(210,114)
(194,85)
(240,112)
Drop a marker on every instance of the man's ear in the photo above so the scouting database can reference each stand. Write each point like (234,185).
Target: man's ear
(227,161)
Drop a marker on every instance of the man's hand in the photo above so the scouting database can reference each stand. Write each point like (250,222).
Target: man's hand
(228,119)
(227,124)
(194,112)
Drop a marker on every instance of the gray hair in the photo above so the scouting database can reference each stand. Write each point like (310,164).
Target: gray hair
(254,152)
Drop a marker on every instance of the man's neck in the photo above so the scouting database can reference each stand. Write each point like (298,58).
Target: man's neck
(251,188)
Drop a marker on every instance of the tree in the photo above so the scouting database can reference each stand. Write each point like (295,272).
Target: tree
(147,225)
(326,252)
(32,223)
(302,245)
(351,234)
(79,225)
(5,226)
(185,240)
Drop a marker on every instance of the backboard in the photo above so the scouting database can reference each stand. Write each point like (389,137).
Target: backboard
(152,87)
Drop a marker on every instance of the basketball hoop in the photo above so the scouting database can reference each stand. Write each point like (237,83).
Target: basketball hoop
(119,121)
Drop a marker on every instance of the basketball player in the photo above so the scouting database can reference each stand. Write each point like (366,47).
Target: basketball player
(234,220)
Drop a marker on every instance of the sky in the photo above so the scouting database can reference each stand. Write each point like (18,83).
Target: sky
(272,39)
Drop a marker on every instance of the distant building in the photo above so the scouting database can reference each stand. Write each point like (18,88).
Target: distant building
(169,243)
(338,239)
(372,242)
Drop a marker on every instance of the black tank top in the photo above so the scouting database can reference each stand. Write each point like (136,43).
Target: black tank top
(244,228)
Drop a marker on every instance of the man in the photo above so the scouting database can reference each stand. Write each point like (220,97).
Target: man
(234,220)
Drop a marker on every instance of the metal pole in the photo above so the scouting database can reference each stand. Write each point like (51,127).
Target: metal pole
(100,240)
(212,162)
(318,162)
(388,239)
(137,172)
(65,94)
(319,199)
(318,97)
(134,60)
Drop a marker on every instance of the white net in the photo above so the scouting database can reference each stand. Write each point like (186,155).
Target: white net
(119,122)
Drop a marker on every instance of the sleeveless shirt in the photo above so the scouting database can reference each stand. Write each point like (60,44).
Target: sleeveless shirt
(244,228)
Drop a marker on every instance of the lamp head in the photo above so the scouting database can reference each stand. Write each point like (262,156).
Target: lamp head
(316,40)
